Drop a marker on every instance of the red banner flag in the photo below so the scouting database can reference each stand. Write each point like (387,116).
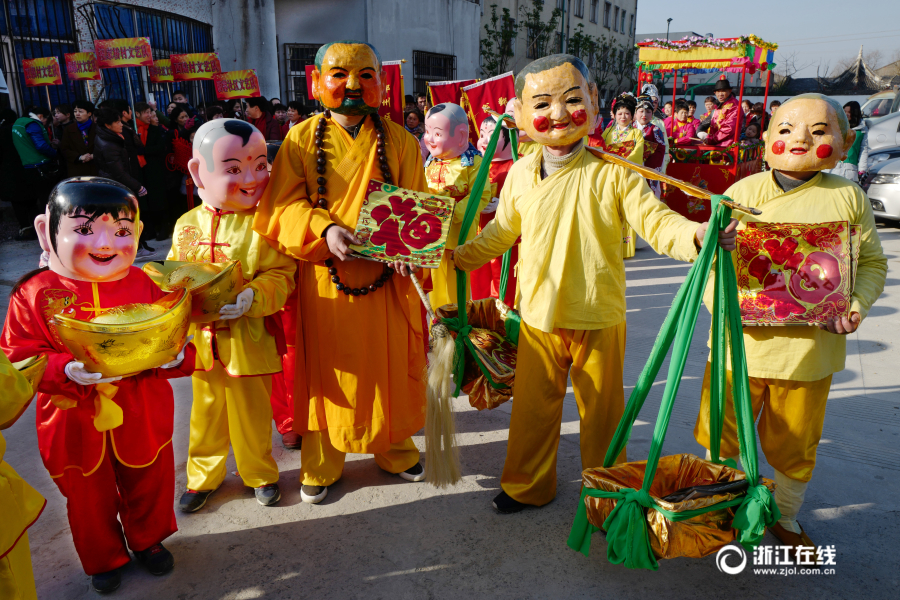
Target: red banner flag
(161,71)
(82,65)
(393,103)
(41,71)
(309,92)
(490,94)
(123,52)
(190,67)
(448,91)
(236,84)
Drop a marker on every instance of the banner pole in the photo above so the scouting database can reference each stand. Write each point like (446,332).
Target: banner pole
(49,104)
(130,92)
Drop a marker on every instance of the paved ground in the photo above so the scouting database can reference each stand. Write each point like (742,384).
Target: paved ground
(376,536)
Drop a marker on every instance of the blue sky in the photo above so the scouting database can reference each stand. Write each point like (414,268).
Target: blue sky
(824,30)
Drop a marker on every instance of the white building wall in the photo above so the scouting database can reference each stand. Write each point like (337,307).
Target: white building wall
(394,27)
(244,35)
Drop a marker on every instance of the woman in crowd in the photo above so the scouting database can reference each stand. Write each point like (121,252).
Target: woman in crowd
(857,162)
(654,139)
(77,145)
(626,139)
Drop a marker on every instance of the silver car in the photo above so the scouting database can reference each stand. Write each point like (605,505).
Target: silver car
(883,187)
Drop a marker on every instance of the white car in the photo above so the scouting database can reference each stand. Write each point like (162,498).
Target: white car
(883,187)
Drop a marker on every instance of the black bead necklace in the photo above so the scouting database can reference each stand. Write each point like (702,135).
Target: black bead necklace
(320,154)
(323,203)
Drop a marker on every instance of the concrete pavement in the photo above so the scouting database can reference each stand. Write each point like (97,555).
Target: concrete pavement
(376,536)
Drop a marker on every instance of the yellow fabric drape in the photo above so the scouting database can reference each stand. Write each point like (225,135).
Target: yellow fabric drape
(451,178)
(808,353)
(570,270)
(244,346)
(360,360)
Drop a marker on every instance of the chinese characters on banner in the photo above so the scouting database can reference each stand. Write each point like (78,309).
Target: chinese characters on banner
(42,71)
(123,52)
(490,94)
(82,65)
(161,71)
(200,65)
(393,102)
(236,84)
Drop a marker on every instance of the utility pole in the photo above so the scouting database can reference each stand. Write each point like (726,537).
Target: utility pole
(668,22)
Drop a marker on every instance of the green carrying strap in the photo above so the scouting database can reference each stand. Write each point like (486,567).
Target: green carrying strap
(507,256)
(626,527)
(460,324)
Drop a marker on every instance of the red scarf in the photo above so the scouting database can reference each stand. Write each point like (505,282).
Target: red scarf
(142,128)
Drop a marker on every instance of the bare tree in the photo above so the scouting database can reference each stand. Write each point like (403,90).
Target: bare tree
(873,58)
(822,71)
(790,64)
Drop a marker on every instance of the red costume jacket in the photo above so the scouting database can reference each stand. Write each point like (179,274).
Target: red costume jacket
(67,438)
(725,121)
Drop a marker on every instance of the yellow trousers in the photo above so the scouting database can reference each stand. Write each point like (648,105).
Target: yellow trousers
(791,415)
(443,281)
(322,464)
(596,359)
(233,410)
(16,575)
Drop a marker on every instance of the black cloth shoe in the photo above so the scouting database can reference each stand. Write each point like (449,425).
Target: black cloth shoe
(105,583)
(506,505)
(292,440)
(146,247)
(268,495)
(192,501)
(156,558)
(313,494)
(414,473)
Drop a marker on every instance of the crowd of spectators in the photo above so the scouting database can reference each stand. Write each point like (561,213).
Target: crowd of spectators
(140,147)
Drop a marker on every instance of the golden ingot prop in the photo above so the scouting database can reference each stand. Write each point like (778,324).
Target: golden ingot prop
(33,369)
(123,341)
(212,285)
(488,318)
(693,538)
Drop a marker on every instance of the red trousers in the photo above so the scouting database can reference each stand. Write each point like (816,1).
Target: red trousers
(142,498)
(282,398)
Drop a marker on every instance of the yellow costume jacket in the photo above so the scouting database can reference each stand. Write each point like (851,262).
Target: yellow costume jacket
(244,346)
(20,504)
(454,179)
(796,352)
(570,271)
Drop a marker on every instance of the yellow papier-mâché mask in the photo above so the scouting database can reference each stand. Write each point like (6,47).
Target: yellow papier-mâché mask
(348,78)
(808,133)
(555,103)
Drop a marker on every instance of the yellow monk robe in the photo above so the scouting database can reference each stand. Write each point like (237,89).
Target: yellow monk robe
(360,360)
(780,357)
(571,296)
(526,148)
(20,504)
(454,179)
(235,358)
(629,144)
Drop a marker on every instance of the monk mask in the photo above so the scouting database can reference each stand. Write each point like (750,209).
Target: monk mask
(557,105)
(229,164)
(348,78)
(806,134)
